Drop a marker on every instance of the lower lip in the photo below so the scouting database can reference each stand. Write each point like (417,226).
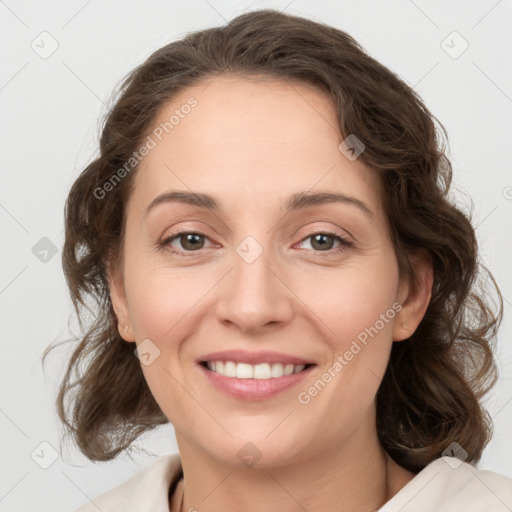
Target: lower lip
(254,389)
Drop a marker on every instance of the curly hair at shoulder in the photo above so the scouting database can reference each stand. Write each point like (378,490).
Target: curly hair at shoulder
(431,392)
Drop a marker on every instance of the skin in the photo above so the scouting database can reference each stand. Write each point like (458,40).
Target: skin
(252,143)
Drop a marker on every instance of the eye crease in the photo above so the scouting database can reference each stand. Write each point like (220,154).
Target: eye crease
(186,237)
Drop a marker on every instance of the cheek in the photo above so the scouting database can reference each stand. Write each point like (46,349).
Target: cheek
(354,299)
(367,307)
(161,298)
(162,310)
(357,307)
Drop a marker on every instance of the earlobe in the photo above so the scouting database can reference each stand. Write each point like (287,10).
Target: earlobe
(126,332)
(418,294)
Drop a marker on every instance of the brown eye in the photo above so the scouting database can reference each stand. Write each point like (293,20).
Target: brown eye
(191,241)
(322,242)
(186,242)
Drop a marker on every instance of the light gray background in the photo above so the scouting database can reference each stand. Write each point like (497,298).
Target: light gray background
(51,110)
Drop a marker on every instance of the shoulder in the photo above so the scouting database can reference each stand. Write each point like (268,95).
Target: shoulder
(448,484)
(147,490)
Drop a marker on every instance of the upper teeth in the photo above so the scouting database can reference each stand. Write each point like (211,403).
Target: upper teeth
(256,371)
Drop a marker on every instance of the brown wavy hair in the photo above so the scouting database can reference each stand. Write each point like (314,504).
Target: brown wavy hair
(431,392)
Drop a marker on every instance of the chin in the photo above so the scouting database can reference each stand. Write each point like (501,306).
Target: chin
(258,446)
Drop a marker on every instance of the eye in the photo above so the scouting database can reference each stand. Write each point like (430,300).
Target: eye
(190,241)
(323,242)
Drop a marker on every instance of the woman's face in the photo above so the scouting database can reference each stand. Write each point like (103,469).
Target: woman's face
(262,279)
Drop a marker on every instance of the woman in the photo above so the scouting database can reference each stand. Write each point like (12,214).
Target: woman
(278,272)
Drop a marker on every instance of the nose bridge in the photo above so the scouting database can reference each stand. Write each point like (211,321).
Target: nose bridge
(252,260)
(254,296)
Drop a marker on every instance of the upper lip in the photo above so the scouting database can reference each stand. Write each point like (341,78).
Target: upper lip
(243,356)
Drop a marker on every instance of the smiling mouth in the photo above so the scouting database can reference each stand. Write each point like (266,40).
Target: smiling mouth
(262,371)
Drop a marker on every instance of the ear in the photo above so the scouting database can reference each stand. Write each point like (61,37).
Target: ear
(414,296)
(120,304)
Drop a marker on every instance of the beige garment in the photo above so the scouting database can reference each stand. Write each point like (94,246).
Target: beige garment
(443,486)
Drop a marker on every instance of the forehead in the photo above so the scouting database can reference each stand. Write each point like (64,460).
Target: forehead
(253,140)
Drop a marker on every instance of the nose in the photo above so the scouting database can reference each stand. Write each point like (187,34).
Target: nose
(254,294)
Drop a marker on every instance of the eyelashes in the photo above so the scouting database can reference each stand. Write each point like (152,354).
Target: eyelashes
(190,238)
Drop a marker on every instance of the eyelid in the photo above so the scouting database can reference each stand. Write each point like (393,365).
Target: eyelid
(328,231)
(345,243)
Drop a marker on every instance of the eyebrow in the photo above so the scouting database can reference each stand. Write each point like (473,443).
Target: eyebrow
(297,201)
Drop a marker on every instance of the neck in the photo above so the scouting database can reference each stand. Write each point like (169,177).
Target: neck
(358,476)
